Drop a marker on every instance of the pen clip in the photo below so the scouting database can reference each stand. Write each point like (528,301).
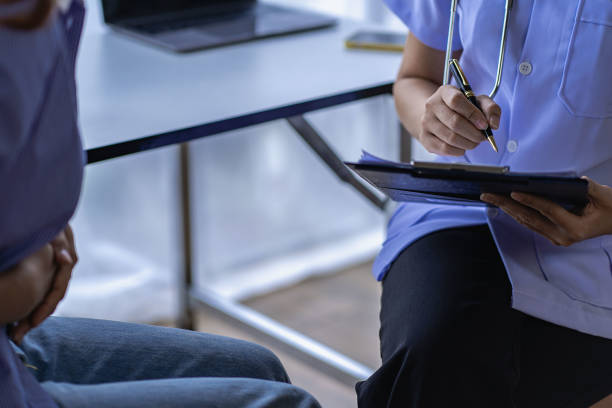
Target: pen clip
(457,68)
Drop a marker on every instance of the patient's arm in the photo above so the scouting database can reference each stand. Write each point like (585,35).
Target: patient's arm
(24,286)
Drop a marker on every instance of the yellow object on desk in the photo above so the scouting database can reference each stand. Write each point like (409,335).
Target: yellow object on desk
(377,40)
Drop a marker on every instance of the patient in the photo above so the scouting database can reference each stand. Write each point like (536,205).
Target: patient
(70,363)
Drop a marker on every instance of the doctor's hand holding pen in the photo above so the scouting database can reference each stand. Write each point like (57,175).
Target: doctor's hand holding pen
(441,118)
(450,124)
(552,221)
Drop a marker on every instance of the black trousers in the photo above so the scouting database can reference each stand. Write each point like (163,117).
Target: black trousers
(449,337)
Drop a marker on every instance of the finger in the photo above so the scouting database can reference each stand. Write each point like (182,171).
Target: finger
(555,213)
(60,240)
(69,233)
(516,210)
(18,332)
(450,137)
(488,198)
(491,110)
(63,257)
(598,192)
(528,217)
(71,241)
(435,145)
(456,101)
(65,240)
(55,295)
(457,123)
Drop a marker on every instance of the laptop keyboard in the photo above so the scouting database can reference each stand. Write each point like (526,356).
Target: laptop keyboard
(156,28)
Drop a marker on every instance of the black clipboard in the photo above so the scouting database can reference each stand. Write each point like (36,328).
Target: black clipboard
(445,183)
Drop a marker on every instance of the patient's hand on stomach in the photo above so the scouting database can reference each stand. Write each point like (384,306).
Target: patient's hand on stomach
(36,285)
(24,286)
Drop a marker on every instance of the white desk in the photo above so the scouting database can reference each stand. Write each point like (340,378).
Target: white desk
(128,90)
(133,97)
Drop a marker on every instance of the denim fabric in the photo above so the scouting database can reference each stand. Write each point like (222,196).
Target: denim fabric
(95,363)
(18,388)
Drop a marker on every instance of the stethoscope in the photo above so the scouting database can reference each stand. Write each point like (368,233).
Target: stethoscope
(502,46)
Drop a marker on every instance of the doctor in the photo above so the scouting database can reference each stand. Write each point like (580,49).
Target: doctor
(477,309)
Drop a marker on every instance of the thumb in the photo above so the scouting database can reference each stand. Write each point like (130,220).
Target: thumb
(64,257)
(19,331)
(491,110)
(597,191)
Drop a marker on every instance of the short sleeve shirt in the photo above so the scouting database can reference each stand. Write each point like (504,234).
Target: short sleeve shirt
(556,100)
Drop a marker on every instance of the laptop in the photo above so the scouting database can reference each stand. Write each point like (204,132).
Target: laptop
(189,25)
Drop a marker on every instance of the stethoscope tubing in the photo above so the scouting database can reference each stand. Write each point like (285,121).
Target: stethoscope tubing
(502,46)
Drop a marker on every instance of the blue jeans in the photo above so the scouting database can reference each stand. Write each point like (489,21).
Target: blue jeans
(95,363)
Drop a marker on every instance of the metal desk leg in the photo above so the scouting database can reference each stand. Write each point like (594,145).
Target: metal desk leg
(319,356)
(185,312)
(331,159)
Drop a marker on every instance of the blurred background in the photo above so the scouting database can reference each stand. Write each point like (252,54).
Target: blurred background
(267,213)
(272,225)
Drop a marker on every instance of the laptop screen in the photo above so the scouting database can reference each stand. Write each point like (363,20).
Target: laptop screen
(118,10)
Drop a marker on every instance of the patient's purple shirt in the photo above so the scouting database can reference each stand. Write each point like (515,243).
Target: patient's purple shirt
(41,158)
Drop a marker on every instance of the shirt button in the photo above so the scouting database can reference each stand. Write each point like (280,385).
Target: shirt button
(512,146)
(525,68)
(492,212)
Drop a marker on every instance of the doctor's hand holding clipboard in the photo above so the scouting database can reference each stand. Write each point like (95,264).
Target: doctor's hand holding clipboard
(554,222)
